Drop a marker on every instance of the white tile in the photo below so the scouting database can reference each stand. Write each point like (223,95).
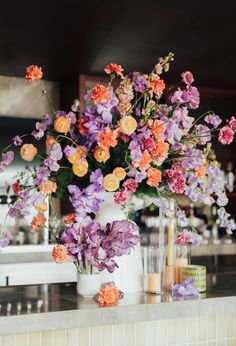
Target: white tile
(118,335)
(140,333)
(106,336)
(95,336)
(59,337)
(220,326)
(203,328)
(130,334)
(172,332)
(47,338)
(83,337)
(7,340)
(71,337)
(182,330)
(20,340)
(34,339)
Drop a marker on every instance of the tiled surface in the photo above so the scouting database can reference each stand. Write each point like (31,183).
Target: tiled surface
(212,330)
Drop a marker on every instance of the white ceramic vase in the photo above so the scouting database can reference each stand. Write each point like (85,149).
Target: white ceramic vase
(88,284)
(129,276)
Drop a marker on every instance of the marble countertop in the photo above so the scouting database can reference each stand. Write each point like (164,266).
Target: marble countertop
(56,306)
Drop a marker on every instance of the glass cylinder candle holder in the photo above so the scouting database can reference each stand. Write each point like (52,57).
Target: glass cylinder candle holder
(153,260)
(183,258)
(198,273)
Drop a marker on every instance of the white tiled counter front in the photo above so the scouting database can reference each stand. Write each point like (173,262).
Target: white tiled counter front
(139,319)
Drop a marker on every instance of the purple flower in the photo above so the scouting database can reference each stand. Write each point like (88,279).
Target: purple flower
(137,175)
(140,82)
(51,165)
(213,119)
(7,158)
(96,176)
(181,217)
(17,140)
(42,174)
(55,152)
(203,134)
(185,289)
(71,117)
(5,239)
(135,151)
(180,115)
(224,221)
(189,96)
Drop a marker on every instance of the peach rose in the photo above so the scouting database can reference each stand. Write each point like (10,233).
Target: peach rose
(42,207)
(120,173)
(28,152)
(154,177)
(70,218)
(62,125)
(50,140)
(111,182)
(60,254)
(99,94)
(80,168)
(157,86)
(33,73)
(201,171)
(101,155)
(48,187)
(128,125)
(38,222)
(114,68)
(108,295)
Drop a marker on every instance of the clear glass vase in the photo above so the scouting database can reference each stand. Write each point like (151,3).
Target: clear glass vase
(183,258)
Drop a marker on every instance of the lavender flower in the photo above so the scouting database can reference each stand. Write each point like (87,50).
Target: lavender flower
(17,141)
(213,119)
(7,158)
(224,221)
(185,289)
(140,82)
(203,134)
(5,239)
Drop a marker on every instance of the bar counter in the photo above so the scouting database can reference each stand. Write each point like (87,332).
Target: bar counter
(40,309)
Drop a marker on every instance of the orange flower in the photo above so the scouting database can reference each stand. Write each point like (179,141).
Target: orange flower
(28,152)
(161,149)
(114,68)
(120,173)
(101,155)
(80,168)
(62,125)
(83,129)
(60,254)
(111,182)
(157,86)
(144,163)
(33,73)
(108,295)
(70,218)
(50,140)
(107,139)
(128,125)
(37,222)
(201,171)
(48,187)
(100,94)
(42,207)
(80,153)
(154,176)
(157,128)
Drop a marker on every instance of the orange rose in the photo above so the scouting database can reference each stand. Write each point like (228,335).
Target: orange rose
(157,86)
(101,155)
(120,173)
(114,68)
(70,218)
(62,125)
(33,73)
(50,140)
(128,125)
(80,168)
(60,254)
(107,138)
(42,207)
(100,94)
(201,171)
(111,182)
(154,177)
(108,295)
(28,152)
(48,187)
(38,222)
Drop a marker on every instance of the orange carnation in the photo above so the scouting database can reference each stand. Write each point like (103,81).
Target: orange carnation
(157,86)
(33,73)
(100,94)
(50,140)
(201,171)
(62,125)
(42,207)
(161,149)
(128,125)
(28,152)
(111,182)
(48,187)
(114,68)
(108,295)
(120,173)
(80,168)
(157,128)
(60,254)
(101,155)
(154,176)
(107,138)
(70,218)
(144,163)
(37,222)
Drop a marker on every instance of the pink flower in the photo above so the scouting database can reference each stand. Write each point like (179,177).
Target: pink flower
(226,135)
(182,239)
(130,185)
(232,124)
(177,181)
(122,197)
(187,77)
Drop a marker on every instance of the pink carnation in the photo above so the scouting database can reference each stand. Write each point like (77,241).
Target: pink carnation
(232,124)
(187,77)
(226,135)
(177,181)
(130,185)
(122,197)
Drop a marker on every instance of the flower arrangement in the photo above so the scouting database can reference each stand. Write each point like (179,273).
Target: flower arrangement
(127,141)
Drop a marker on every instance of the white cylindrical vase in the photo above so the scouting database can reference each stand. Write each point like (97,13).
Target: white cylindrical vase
(88,285)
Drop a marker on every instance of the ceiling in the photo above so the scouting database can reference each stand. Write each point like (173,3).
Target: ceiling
(81,36)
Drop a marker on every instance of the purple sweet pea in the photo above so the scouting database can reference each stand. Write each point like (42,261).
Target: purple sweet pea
(17,140)
(213,119)
(203,134)
(55,152)
(7,158)
(185,289)
(5,239)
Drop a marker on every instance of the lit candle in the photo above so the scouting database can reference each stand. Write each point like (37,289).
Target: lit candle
(153,283)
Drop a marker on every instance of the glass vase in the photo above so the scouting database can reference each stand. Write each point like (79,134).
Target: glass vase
(183,258)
